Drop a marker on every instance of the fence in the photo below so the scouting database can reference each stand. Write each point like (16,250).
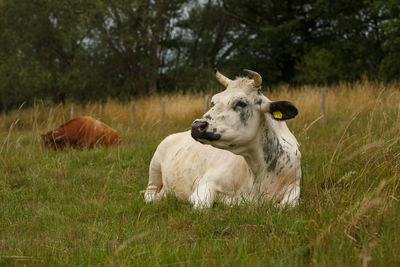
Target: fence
(48,117)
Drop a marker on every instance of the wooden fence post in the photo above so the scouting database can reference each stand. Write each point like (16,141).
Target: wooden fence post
(206,103)
(162,109)
(323,105)
(133,113)
(50,118)
(101,112)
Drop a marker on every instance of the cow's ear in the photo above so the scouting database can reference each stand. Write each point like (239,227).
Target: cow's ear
(282,110)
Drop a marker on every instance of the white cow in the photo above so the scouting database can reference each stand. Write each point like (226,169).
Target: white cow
(244,151)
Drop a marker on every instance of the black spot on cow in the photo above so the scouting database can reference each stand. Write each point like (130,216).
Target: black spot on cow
(245,115)
(272,149)
(221,118)
(257,101)
(241,105)
(280,170)
(207,117)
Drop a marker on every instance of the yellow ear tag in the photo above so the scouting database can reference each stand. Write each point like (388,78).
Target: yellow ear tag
(277,114)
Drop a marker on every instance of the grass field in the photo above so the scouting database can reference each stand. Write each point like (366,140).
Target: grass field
(84,207)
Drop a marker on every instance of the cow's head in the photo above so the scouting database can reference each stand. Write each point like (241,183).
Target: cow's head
(236,113)
(50,140)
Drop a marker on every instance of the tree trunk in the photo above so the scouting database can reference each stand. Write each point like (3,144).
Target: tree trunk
(154,60)
(59,98)
(154,64)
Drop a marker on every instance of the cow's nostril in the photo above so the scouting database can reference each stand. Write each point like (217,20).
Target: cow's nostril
(200,126)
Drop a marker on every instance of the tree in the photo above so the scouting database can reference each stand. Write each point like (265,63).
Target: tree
(45,37)
(389,68)
(133,37)
(207,37)
(98,49)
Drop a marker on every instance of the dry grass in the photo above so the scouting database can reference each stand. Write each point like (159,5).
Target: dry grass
(148,111)
(343,99)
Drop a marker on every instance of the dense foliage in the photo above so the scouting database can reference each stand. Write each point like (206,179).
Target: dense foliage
(97,49)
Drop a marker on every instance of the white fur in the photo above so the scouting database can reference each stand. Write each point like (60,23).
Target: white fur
(196,172)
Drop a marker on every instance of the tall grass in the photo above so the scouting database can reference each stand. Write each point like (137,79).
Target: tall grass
(83,207)
(148,112)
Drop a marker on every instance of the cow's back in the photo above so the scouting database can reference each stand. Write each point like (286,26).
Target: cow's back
(90,132)
(185,162)
(82,131)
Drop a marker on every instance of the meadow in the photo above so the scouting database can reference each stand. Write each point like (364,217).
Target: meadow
(84,207)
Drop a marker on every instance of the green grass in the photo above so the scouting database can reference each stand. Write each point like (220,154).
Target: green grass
(84,207)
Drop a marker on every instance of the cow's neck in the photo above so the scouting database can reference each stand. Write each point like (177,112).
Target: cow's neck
(264,153)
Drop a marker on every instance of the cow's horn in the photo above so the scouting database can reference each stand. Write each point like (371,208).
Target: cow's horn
(255,76)
(221,78)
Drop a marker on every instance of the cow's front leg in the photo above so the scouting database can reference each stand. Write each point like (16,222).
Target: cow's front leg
(291,196)
(203,196)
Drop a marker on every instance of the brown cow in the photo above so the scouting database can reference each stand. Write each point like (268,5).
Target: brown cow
(80,132)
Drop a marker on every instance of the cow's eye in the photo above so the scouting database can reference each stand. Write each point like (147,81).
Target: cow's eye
(241,104)
(212,104)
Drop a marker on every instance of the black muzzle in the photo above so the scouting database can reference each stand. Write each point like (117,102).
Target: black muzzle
(200,131)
